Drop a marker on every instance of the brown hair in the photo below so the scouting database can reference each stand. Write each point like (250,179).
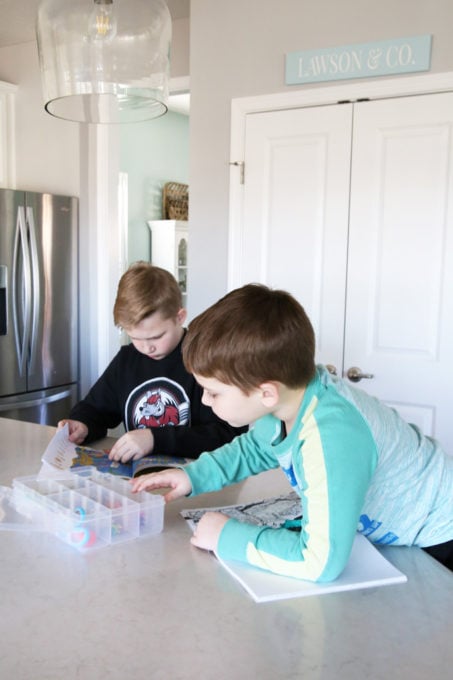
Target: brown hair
(252,335)
(144,289)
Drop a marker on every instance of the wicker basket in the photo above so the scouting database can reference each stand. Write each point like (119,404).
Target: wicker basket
(175,201)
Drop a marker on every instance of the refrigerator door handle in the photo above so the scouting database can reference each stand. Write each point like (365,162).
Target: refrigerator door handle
(36,293)
(3,299)
(21,290)
(29,403)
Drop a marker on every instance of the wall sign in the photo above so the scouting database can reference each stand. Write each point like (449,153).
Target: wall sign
(386,57)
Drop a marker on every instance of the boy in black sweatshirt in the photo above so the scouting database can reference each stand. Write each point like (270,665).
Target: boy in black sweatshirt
(146,385)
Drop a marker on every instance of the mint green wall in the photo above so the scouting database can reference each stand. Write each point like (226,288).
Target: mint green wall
(151,154)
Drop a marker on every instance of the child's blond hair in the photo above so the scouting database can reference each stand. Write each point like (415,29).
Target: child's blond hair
(143,290)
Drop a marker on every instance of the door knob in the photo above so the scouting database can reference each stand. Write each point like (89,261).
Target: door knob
(355,374)
(332,369)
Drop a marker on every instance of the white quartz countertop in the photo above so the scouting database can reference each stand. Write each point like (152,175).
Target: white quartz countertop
(156,608)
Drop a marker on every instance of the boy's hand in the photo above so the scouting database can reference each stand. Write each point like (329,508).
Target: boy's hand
(174,478)
(208,530)
(77,430)
(132,446)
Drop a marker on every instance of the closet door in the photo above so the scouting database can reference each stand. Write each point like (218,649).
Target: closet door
(399,312)
(309,222)
(293,231)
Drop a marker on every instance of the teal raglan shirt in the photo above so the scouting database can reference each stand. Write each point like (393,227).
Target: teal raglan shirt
(329,457)
(356,465)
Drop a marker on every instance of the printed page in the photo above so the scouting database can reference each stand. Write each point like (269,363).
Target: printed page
(59,454)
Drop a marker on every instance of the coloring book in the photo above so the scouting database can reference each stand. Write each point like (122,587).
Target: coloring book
(101,461)
(61,454)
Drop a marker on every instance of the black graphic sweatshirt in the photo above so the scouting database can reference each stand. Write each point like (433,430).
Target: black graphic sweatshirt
(160,395)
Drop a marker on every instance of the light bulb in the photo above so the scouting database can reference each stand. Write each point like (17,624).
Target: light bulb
(103,21)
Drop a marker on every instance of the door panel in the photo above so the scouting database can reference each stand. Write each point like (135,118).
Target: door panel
(399,318)
(308,220)
(13,372)
(295,213)
(53,354)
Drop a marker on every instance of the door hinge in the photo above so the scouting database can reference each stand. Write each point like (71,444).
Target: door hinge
(241,165)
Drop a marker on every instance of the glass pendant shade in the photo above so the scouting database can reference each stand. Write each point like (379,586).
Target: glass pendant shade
(104,61)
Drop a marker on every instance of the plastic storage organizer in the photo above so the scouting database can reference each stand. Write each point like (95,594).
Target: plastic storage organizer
(84,508)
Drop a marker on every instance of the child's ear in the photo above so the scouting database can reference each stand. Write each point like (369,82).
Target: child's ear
(181,316)
(269,394)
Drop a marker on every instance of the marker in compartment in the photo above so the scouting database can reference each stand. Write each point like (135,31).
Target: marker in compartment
(80,511)
(117,528)
(82,536)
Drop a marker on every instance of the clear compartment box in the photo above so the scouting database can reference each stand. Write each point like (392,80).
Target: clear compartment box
(84,508)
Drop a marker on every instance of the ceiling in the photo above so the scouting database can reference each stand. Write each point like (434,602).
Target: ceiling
(17,18)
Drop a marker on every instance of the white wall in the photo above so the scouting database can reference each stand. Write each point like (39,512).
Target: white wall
(180,48)
(238,49)
(47,149)
(151,154)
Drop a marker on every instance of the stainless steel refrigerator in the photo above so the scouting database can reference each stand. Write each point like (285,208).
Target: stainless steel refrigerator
(38,306)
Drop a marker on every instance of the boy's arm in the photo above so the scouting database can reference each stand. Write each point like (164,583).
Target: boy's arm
(100,409)
(334,467)
(95,420)
(244,457)
(336,476)
(232,462)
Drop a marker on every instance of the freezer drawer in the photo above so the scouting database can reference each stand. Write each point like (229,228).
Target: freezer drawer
(45,407)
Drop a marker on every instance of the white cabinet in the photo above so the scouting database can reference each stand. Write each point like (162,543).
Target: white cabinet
(169,240)
(7,147)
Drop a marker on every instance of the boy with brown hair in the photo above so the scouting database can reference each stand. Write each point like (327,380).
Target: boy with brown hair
(356,465)
(146,385)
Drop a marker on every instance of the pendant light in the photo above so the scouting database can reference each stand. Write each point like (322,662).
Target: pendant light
(104,61)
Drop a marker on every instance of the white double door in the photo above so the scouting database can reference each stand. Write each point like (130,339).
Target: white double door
(350,208)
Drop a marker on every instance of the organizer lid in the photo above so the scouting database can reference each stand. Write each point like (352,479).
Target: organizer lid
(13,517)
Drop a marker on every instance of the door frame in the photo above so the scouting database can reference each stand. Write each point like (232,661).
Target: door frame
(103,248)
(318,96)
